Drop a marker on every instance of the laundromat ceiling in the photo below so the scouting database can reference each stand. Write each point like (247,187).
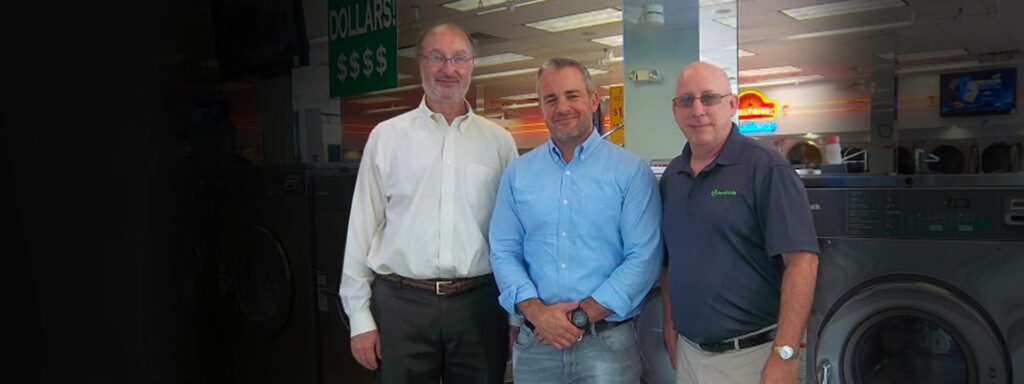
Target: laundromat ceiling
(841,48)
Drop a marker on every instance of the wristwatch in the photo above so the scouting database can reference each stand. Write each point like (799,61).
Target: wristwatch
(785,352)
(579,318)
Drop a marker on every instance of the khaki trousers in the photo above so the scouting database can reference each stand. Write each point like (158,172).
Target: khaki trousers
(694,366)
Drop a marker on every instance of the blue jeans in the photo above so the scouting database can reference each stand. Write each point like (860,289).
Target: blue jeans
(612,357)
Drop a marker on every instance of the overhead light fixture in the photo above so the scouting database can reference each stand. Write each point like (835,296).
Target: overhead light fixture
(521,106)
(402,76)
(769,71)
(469,5)
(811,135)
(579,20)
(524,96)
(389,109)
(596,71)
(396,89)
(501,58)
(925,55)
(515,72)
(510,5)
(611,41)
(847,31)
(708,3)
(728,21)
(609,58)
(378,99)
(784,80)
(745,53)
(409,51)
(841,8)
(611,85)
(938,67)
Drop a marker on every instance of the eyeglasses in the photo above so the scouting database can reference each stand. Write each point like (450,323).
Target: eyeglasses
(437,59)
(707,99)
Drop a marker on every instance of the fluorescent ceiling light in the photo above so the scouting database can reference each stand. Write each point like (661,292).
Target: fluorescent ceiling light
(396,89)
(611,41)
(378,99)
(513,6)
(402,76)
(841,8)
(501,58)
(769,71)
(469,5)
(596,71)
(784,80)
(938,67)
(728,21)
(520,106)
(925,55)
(515,72)
(579,20)
(745,53)
(389,109)
(845,31)
(705,3)
(409,51)
(524,96)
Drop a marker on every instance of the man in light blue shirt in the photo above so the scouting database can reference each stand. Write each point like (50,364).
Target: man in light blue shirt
(575,242)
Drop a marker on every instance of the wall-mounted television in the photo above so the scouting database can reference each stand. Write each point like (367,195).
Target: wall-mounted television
(988,92)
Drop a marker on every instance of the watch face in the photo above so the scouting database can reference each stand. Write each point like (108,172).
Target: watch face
(785,352)
(579,318)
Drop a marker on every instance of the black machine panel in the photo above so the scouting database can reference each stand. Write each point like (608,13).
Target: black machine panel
(928,213)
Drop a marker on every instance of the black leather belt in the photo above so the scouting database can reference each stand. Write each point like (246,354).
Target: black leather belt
(739,342)
(440,287)
(599,326)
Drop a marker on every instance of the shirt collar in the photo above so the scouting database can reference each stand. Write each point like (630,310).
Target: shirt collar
(428,114)
(730,153)
(582,151)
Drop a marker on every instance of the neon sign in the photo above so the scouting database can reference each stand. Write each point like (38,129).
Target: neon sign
(756,113)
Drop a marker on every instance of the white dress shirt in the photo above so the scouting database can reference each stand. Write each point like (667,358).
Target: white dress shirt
(422,204)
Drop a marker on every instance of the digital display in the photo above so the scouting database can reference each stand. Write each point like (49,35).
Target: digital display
(958,203)
(991,91)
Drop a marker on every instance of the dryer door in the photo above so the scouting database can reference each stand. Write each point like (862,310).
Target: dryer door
(909,329)
(264,281)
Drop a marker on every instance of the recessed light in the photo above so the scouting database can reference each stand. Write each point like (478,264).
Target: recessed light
(501,58)
(784,80)
(841,8)
(769,71)
(579,20)
(611,41)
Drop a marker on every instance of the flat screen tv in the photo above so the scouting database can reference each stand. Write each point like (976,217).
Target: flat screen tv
(988,92)
(258,37)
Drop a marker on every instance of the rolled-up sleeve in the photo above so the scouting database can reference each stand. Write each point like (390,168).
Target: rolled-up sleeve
(506,238)
(626,287)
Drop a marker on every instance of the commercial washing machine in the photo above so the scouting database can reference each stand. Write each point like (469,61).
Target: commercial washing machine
(920,279)
(272,303)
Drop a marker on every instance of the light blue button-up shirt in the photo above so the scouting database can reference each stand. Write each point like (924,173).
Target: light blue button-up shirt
(562,232)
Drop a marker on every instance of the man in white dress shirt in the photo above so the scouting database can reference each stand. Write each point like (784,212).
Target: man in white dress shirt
(416,282)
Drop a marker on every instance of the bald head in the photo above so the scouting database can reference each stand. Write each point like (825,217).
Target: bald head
(707,74)
(446,27)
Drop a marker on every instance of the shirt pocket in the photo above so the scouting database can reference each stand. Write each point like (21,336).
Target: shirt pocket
(481,187)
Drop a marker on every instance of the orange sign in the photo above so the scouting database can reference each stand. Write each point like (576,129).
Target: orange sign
(754,106)
(615,106)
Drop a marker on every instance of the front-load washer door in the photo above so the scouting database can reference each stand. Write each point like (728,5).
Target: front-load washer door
(263,281)
(909,329)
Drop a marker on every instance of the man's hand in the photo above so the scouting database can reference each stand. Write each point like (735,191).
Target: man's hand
(551,324)
(366,349)
(671,342)
(778,371)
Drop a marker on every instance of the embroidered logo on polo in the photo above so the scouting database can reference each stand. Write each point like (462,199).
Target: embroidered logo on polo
(723,192)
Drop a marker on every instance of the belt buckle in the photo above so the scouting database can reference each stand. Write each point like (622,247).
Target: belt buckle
(438,285)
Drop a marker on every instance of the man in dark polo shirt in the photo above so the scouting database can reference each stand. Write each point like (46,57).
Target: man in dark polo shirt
(740,243)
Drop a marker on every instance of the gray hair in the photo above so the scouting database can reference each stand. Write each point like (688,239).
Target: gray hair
(562,62)
(439,27)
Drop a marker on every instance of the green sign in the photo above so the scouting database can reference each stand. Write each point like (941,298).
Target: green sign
(362,51)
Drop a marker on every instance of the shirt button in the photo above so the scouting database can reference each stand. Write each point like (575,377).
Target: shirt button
(563,265)
(567,172)
(564,234)
(564,201)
